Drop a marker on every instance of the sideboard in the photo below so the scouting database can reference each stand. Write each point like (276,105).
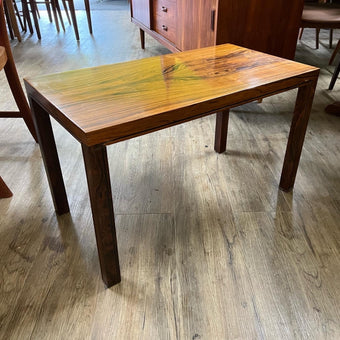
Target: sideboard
(264,25)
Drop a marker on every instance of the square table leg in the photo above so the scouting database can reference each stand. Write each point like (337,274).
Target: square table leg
(98,179)
(50,157)
(297,133)
(221,131)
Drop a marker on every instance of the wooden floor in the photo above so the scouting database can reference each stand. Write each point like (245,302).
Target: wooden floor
(210,248)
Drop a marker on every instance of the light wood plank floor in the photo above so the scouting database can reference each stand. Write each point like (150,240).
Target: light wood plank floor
(209,247)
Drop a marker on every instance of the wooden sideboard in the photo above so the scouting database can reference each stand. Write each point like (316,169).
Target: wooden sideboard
(264,25)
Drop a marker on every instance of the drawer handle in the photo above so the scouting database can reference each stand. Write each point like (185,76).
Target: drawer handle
(164,28)
(164,9)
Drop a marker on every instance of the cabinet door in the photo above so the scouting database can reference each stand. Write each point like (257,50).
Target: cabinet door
(140,11)
(269,26)
(195,23)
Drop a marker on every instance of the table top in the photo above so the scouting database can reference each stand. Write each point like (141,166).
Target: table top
(105,104)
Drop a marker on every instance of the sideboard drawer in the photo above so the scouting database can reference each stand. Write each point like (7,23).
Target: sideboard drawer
(162,7)
(166,28)
(164,18)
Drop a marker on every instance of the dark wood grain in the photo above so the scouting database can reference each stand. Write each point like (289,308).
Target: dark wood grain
(194,24)
(221,131)
(98,179)
(140,96)
(264,25)
(297,133)
(50,157)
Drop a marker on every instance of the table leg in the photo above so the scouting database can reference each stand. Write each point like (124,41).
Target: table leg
(142,38)
(221,130)
(98,179)
(297,133)
(50,157)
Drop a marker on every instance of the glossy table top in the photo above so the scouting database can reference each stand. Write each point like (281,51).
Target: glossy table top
(108,103)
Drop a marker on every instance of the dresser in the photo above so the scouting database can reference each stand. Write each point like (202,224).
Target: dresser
(264,25)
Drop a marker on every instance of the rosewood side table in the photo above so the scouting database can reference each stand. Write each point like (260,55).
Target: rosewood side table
(107,104)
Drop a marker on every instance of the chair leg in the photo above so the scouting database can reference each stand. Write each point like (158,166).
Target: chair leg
(13,19)
(60,16)
(317,32)
(9,24)
(37,10)
(336,50)
(301,32)
(74,18)
(88,14)
(331,38)
(19,96)
(334,77)
(18,15)
(66,11)
(48,9)
(27,17)
(4,190)
(55,15)
(35,17)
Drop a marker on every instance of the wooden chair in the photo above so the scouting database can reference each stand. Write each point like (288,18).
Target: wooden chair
(7,63)
(320,16)
(53,7)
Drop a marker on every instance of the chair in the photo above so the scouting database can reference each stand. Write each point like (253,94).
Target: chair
(320,16)
(54,5)
(7,63)
(33,4)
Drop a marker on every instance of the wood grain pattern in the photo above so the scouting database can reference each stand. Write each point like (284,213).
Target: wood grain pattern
(297,133)
(194,24)
(209,247)
(140,96)
(263,25)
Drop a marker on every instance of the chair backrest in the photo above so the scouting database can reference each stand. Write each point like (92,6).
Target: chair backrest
(13,79)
